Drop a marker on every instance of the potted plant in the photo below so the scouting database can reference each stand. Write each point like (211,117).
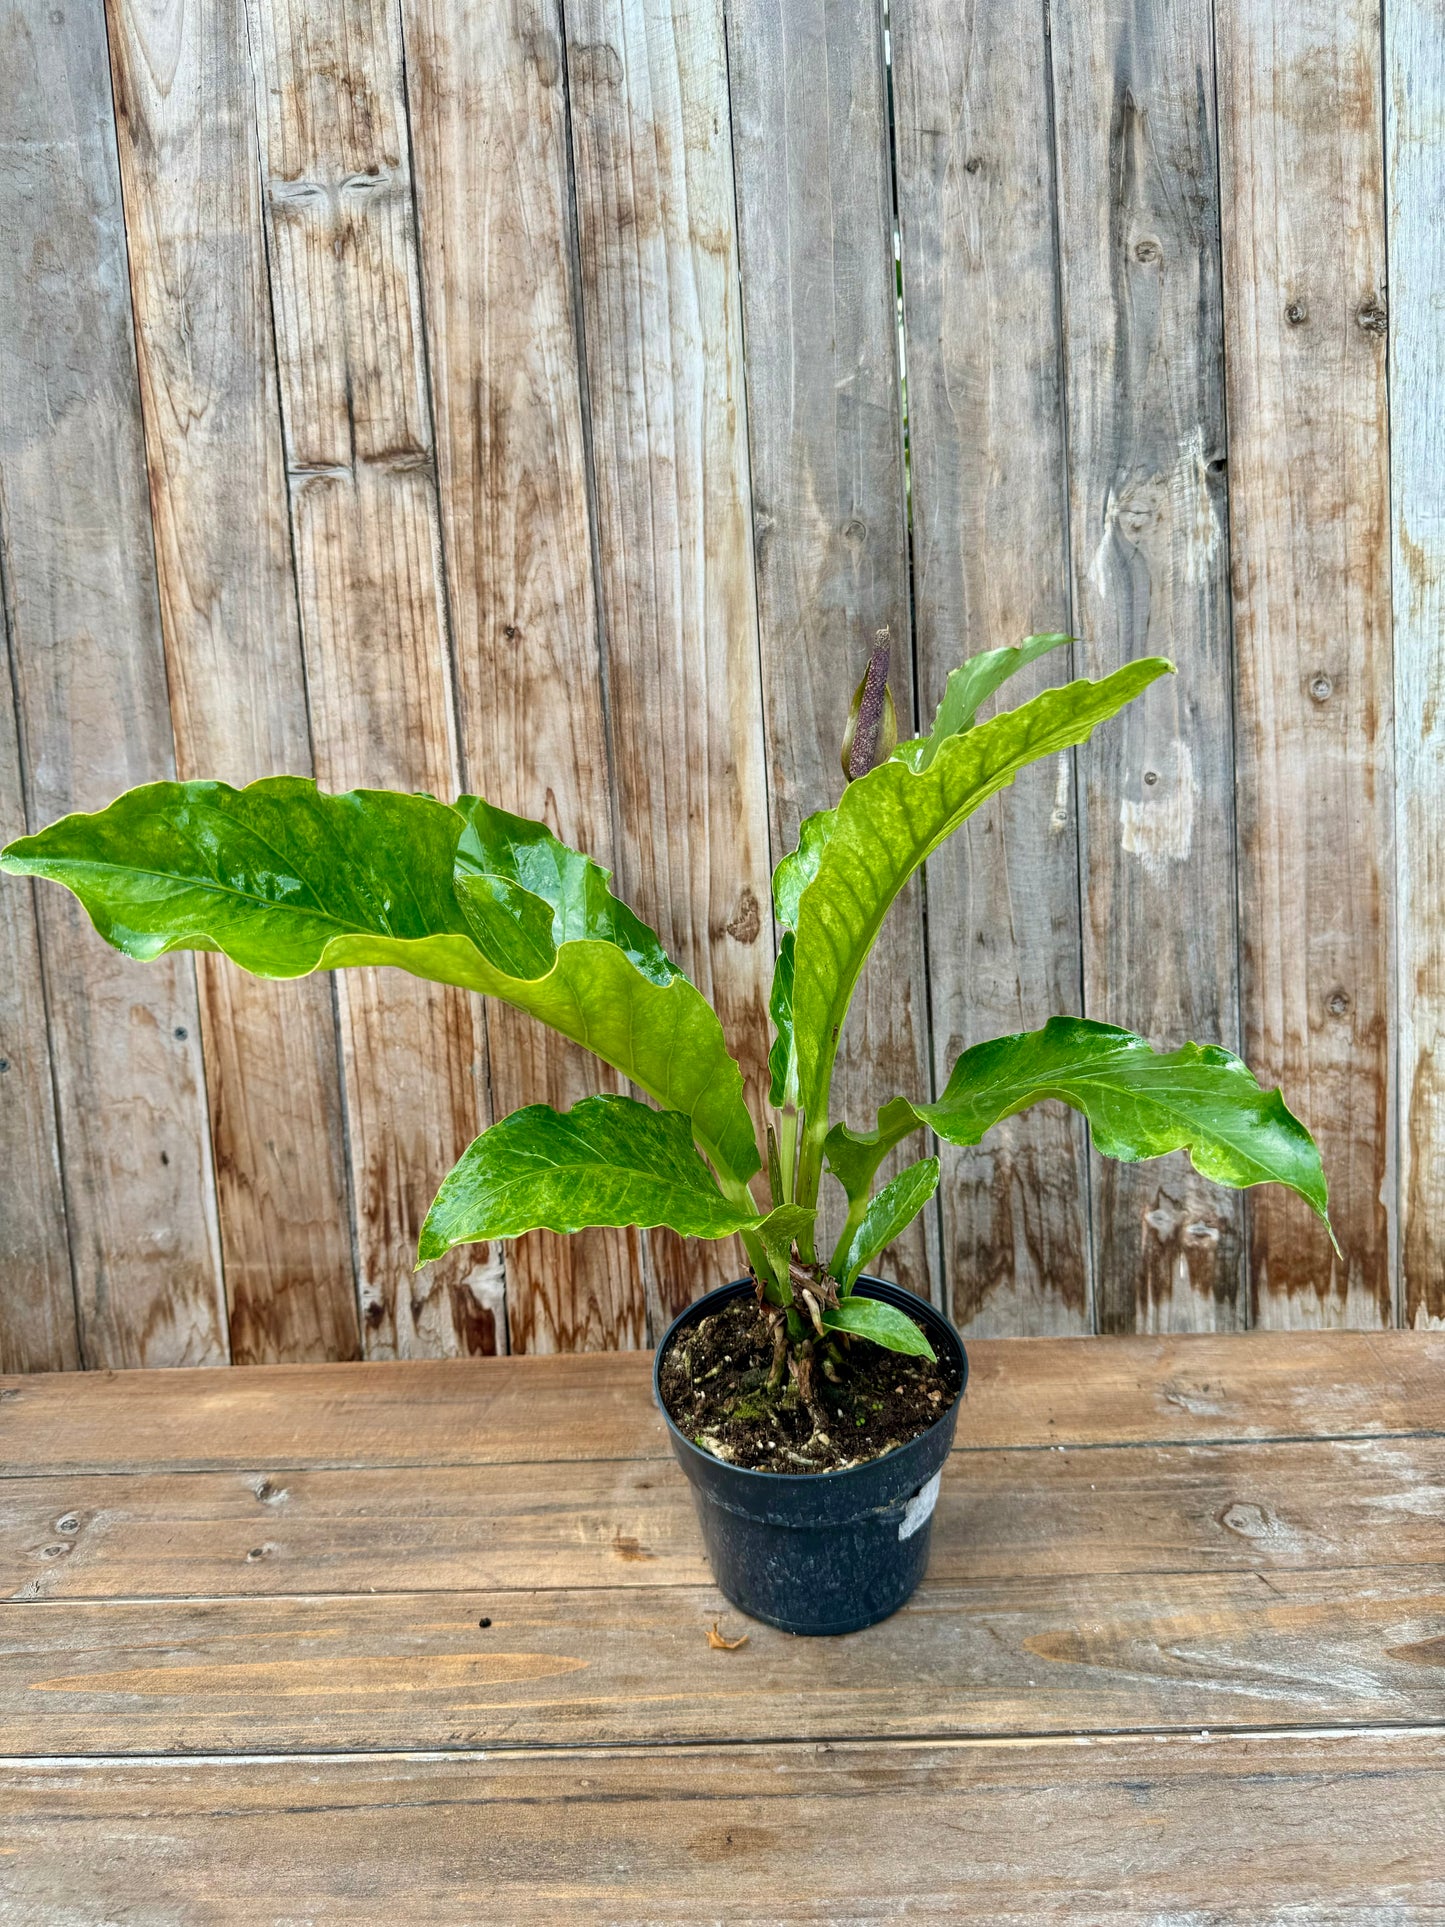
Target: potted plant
(811,1405)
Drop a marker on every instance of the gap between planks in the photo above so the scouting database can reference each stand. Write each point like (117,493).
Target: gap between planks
(516,1755)
(210,1468)
(486,1589)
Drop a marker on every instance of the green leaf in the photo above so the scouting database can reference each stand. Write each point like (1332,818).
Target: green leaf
(855,1156)
(607,1161)
(285,880)
(510,858)
(884,1324)
(1140,1103)
(780,1230)
(895,1208)
(884,827)
(800,866)
(781,1061)
(968,688)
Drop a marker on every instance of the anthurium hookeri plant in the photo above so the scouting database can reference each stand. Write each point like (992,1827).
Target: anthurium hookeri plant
(285,880)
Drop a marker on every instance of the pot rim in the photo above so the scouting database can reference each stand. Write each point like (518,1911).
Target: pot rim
(697,1309)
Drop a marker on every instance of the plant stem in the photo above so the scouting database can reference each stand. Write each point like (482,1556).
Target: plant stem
(778,1370)
(788,1151)
(810,1160)
(857,1211)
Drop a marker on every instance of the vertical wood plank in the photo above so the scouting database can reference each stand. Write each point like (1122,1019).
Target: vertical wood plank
(976,211)
(1143,333)
(90,679)
(228,611)
(1302,161)
(1415,124)
(38,1330)
(815,232)
(37,1302)
(346,301)
(489,131)
(657,237)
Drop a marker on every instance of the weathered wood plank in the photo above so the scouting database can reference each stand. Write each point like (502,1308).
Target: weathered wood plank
(1143,336)
(632,1665)
(1415,126)
(656,227)
(624,1522)
(91,688)
(346,301)
(1301,155)
(498,234)
(976,209)
(1223,1828)
(1041,1394)
(38,1329)
(37,1300)
(228,611)
(815,235)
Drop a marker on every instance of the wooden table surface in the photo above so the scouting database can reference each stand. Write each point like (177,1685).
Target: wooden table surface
(339,1643)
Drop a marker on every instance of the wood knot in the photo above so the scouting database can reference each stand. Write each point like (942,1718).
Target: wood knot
(1373,318)
(1296,314)
(746,925)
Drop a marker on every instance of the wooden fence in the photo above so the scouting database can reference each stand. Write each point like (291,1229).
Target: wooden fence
(507,394)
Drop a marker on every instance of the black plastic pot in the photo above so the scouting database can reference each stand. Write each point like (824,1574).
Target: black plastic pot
(820,1552)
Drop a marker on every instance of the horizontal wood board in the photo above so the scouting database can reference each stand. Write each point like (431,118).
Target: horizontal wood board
(559,411)
(1218,1828)
(1021,1396)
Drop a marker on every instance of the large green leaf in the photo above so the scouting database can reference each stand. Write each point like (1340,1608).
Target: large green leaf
(607,1161)
(285,880)
(891,1212)
(968,688)
(1140,1103)
(853,860)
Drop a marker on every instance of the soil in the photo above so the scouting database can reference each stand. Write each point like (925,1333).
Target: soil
(714,1385)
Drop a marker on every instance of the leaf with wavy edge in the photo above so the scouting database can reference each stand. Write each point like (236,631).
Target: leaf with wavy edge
(607,1161)
(852,866)
(855,1156)
(1140,1103)
(285,880)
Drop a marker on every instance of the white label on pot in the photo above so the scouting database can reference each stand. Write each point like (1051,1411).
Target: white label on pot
(919,1509)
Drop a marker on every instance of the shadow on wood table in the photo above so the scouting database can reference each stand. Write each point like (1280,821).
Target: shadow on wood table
(318,1643)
